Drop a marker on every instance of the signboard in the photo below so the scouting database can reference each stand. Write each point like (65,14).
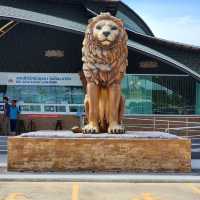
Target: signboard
(49,79)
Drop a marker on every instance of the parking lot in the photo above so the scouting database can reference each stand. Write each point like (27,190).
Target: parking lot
(98,191)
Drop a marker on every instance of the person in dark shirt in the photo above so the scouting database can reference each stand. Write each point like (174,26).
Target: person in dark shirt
(14,113)
(6,114)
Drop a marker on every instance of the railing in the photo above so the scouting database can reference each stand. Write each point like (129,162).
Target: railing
(187,129)
(184,126)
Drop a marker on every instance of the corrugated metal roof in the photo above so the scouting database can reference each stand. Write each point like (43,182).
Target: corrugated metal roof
(149,51)
(40,18)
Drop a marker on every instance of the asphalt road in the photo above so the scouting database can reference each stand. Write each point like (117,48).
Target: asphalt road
(98,191)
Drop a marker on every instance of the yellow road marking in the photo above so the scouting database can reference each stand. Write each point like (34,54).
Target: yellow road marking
(194,188)
(149,196)
(146,196)
(75,191)
(16,196)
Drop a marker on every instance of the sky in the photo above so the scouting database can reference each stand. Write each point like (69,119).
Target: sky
(176,20)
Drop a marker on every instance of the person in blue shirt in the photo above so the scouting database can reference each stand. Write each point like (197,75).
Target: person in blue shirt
(14,113)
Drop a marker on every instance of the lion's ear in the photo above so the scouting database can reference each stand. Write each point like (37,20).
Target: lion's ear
(91,20)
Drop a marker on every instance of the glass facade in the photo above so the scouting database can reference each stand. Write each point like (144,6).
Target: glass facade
(46,94)
(145,94)
(138,93)
(162,94)
(31,96)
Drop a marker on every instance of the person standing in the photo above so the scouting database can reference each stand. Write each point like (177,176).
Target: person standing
(6,114)
(14,113)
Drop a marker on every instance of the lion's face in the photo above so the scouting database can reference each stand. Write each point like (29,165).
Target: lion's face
(106,32)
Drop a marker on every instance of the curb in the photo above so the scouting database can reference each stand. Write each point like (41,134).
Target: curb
(118,178)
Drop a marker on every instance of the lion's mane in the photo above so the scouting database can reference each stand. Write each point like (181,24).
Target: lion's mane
(104,65)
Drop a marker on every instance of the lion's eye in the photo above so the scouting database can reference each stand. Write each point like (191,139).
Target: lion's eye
(114,28)
(98,27)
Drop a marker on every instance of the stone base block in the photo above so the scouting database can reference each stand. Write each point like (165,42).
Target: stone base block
(65,151)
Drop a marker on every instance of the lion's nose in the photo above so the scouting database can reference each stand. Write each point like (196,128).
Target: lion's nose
(106,33)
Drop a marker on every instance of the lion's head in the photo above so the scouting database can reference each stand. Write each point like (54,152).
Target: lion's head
(106,31)
(105,47)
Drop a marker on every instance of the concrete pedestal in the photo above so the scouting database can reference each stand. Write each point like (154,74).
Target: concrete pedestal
(65,151)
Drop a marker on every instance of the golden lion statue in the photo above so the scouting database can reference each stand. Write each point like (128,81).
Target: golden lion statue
(104,64)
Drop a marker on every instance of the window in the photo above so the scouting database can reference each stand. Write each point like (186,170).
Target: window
(47,94)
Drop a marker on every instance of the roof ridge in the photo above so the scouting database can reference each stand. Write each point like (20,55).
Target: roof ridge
(180,44)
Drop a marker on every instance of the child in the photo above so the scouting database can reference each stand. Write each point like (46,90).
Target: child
(14,112)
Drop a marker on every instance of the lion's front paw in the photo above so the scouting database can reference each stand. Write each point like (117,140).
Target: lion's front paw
(90,129)
(116,129)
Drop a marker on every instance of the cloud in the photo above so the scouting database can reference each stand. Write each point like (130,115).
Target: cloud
(185,29)
(185,20)
(177,20)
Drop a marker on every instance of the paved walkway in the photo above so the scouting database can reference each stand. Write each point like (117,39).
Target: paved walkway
(98,191)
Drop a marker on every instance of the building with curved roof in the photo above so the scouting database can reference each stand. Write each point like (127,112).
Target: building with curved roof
(40,48)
